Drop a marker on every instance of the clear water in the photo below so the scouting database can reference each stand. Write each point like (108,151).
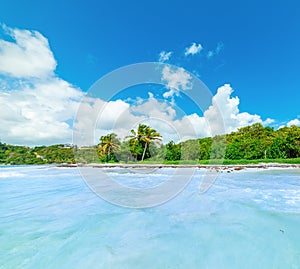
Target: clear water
(49,218)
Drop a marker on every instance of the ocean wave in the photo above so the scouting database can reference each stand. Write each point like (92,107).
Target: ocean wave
(11,174)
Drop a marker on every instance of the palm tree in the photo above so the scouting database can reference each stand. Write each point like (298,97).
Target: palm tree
(108,145)
(142,137)
(150,135)
(135,139)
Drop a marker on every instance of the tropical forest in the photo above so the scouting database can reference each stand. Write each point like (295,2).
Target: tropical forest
(251,144)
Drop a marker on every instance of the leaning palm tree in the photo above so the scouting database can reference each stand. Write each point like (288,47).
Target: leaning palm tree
(141,139)
(108,145)
(150,135)
(135,139)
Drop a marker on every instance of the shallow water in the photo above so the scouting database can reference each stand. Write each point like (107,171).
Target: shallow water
(49,218)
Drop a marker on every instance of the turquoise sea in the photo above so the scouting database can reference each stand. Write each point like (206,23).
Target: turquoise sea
(49,218)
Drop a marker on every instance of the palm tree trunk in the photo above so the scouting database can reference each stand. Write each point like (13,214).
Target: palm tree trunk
(107,156)
(145,148)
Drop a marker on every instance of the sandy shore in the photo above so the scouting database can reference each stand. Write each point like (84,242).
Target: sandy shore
(235,167)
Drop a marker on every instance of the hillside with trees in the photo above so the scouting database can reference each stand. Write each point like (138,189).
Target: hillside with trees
(250,143)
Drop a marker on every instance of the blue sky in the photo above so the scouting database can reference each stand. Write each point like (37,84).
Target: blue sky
(254,46)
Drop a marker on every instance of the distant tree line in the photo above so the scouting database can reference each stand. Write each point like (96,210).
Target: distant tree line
(247,143)
(10,154)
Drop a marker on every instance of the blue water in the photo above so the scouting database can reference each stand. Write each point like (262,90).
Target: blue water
(49,218)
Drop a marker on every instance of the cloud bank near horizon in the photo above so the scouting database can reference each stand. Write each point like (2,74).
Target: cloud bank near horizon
(37,107)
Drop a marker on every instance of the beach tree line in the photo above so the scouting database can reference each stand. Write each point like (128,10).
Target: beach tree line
(144,143)
(139,145)
(247,143)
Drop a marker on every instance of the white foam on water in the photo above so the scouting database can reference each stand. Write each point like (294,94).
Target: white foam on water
(11,174)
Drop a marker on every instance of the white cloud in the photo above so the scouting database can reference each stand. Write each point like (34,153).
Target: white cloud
(232,118)
(97,117)
(155,109)
(176,79)
(294,122)
(28,55)
(36,107)
(41,115)
(192,126)
(193,49)
(162,116)
(119,117)
(165,56)
(268,121)
(38,114)
(39,108)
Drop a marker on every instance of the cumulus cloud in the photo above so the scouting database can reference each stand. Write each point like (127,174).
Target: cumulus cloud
(41,115)
(38,114)
(193,49)
(27,55)
(294,122)
(228,106)
(154,108)
(37,107)
(268,121)
(97,117)
(159,114)
(163,116)
(192,126)
(176,79)
(165,56)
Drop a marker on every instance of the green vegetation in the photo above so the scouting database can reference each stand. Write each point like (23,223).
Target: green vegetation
(258,142)
(108,145)
(140,141)
(252,144)
(10,154)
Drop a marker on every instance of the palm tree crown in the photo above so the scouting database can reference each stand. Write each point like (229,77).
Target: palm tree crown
(108,145)
(141,139)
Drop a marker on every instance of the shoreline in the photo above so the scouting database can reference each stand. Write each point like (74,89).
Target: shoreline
(235,167)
